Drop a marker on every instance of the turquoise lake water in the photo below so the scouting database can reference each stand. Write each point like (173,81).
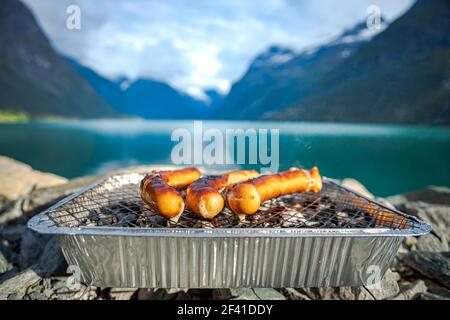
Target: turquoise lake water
(387,159)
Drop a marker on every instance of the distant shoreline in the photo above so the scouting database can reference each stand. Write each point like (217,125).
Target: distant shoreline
(13,117)
(21,117)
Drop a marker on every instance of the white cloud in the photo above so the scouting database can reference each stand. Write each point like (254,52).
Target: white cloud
(195,45)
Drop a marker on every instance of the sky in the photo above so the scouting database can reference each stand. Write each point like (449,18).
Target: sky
(198,44)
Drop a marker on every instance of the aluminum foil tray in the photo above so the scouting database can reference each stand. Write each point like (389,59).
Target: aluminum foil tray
(333,238)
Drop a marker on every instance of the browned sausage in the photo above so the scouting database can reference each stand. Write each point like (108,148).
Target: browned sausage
(160,190)
(381,216)
(245,198)
(203,197)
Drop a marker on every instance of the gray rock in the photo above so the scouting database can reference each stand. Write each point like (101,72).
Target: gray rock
(431,243)
(5,203)
(436,288)
(23,285)
(57,289)
(51,261)
(43,251)
(294,294)
(13,232)
(432,195)
(31,247)
(387,288)
(18,179)
(431,296)
(434,265)
(4,263)
(87,293)
(185,294)
(410,243)
(221,294)
(243,294)
(194,294)
(12,212)
(437,215)
(18,285)
(410,291)
(41,198)
(8,275)
(268,294)
(158,294)
(338,293)
(404,270)
(256,294)
(122,293)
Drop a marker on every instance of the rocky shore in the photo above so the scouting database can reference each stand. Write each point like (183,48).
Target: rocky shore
(32,266)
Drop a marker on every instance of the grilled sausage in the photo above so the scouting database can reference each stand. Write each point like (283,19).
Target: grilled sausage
(203,197)
(245,198)
(380,216)
(160,190)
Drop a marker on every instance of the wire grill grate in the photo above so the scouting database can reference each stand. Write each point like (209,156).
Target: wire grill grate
(116,202)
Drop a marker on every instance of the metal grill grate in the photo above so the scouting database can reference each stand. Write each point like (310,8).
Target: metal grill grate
(116,202)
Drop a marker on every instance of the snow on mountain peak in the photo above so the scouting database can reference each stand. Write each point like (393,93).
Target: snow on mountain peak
(360,32)
(274,56)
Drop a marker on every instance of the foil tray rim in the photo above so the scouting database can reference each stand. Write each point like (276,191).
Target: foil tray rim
(41,224)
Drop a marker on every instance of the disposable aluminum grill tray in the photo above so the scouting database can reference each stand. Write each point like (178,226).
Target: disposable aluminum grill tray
(333,238)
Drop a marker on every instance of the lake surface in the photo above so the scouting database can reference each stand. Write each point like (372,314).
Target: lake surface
(387,159)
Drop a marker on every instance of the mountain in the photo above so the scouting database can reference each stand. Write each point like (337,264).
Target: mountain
(400,76)
(280,77)
(214,103)
(157,100)
(144,97)
(109,90)
(34,78)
